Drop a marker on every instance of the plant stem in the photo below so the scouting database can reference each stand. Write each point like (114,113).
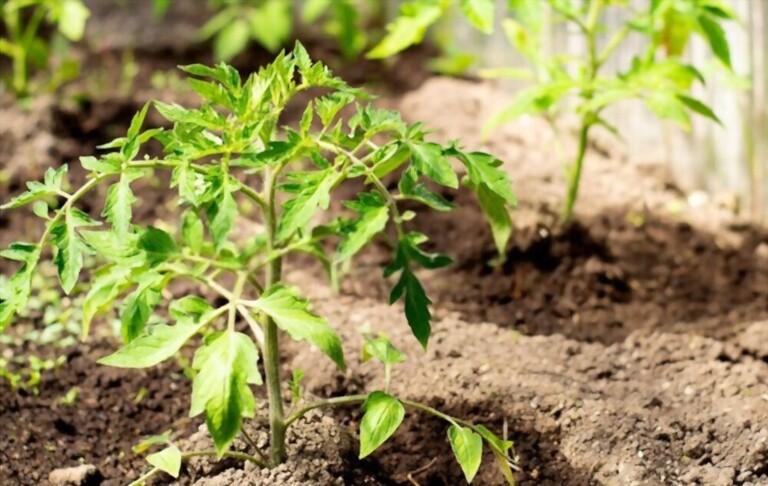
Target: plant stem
(352,399)
(237,292)
(574,172)
(588,119)
(277,424)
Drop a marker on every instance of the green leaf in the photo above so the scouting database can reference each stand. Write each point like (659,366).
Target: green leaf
(298,211)
(51,186)
(15,295)
(167,460)
(226,365)
(411,189)
(270,24)
(416,305)
(292,315)
(408,28)
(313,9)
(480,13)
(468,448)
(190,184)
(383,415)
(483,170)
(500,449)
(105,288)
(189,308)
(222,213)
(495,210)
(157,244)
(72,19)
(699,107)
(139,305)
(69,247)
(231,40)
(150,441)
(120,199)
(192,231)
(374,215)
(428,159)
(667,106)
(158,344)
(382,349)
(716,38)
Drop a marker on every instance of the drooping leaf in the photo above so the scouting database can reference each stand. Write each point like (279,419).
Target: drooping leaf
(495,210)
(715,36)
(416,305)
(699,107)
(226,366)
(167,460)
(500,449)
(467,446)
(292,315)
(383,415)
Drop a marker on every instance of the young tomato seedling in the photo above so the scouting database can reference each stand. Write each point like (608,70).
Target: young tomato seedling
(26,47)
(209,150)
(657,75)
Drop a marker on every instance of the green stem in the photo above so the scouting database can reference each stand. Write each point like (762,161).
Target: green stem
(277,426)
(353,399)
(588,119)
(237,292)
(574,172)
(68,204)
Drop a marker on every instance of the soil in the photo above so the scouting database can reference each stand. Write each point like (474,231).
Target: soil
(627,348)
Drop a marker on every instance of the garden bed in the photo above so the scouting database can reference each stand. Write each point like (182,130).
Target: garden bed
(629,347)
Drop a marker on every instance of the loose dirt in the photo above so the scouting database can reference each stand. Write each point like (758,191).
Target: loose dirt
(624,349)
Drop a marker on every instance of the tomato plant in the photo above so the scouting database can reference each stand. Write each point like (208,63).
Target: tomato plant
(210,151)
(26,47)
(657,75)
(270,23)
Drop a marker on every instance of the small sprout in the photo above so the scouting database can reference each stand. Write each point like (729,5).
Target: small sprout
(69,398)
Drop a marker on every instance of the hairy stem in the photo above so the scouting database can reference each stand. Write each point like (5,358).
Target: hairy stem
(277,424)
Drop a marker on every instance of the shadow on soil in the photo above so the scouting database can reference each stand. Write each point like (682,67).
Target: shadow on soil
(600,279)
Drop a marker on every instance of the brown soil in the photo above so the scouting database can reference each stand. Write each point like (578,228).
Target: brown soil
(625,349)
